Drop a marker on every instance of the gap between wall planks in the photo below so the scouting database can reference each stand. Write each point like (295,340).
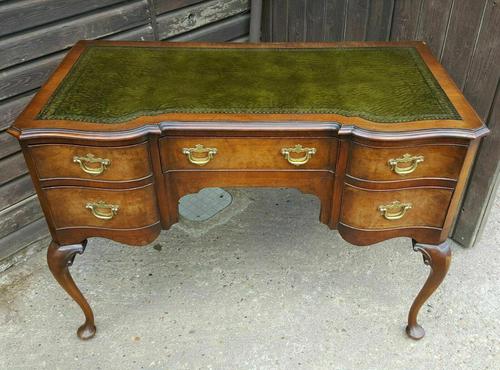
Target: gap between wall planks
(35,36)
(464,35)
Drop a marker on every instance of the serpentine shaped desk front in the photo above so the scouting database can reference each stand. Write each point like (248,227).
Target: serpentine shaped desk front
(122,130)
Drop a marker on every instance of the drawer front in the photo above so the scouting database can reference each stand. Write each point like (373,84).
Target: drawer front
(88,162)
(369,209)
(248,153)
(103,208)
(392,164)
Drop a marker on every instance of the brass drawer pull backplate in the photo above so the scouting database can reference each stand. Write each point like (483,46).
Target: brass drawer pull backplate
(199,155)
(298,149)
(394,210)
(88,161)
(411,162)
(103,210)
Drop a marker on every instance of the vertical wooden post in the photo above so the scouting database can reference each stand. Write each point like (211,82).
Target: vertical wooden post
(255,20)
(483,183)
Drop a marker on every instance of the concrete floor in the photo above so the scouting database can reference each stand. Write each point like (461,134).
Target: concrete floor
(263,285)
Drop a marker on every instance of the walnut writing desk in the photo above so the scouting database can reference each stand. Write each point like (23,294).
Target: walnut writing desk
(122,130)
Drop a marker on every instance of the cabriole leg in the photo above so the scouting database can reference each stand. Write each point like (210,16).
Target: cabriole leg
(59,258)
(438,257)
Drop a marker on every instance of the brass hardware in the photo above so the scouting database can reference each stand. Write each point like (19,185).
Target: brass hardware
(414,160)
(199,149)
(90,158)
(309,152)
(102,210)
(394,210)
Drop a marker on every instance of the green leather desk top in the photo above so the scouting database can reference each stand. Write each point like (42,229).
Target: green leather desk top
(118,83)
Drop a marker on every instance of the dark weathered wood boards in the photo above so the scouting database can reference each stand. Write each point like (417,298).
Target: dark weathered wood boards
(164,6)
(483,182)
(405,17)
(460,45)
(15,191)
(227,29)
(295,20)
(38,42)
(433,23)
(356,20)
(334,19)
(219,21)
(464,35)
(199,15)
(39,12)
(315,11)
(35,35)
(378,26)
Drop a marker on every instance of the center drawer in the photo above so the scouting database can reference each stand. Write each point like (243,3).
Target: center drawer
(247,153)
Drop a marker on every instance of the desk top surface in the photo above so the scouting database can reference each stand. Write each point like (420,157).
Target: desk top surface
(377,86)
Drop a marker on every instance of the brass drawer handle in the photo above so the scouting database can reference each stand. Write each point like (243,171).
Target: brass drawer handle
(394,210)
(199,149)
(298,149)
(413,160)
(102,210)
(92,159)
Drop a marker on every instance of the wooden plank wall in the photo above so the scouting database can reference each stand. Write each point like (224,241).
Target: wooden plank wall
(34,37)
(463,34)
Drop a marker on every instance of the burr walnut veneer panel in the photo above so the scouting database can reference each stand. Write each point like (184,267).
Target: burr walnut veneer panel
(249,153)
(121,163)
(428,207)
(438,161)
(136,207)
